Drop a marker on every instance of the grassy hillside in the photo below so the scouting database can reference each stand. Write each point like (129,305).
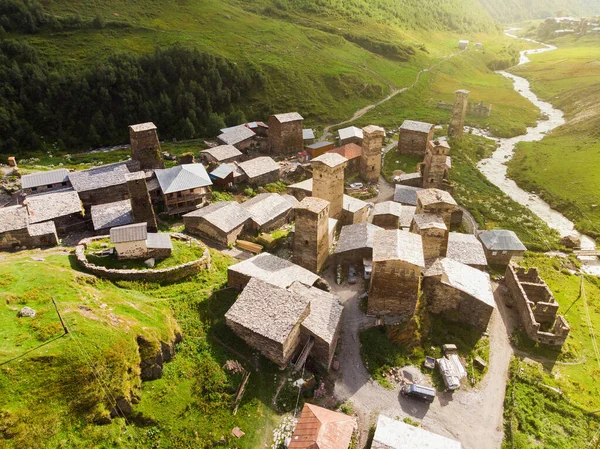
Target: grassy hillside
(565,166)
(511,11)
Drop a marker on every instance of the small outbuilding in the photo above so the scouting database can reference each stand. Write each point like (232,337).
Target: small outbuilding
(319,428)
(221,154)
(352,134)
(393,434)
(260,171)
(63,207)
(501,246)
(308,135)
(387,215)
(355,244)
(239,137)
(110,215)
(301,189)
(467,249)
(406,195)
(44,181)
(268,211)
(318,148)
(222,222)
(354,210)
(463,44)
(135,242)
(222,176)
(16,231)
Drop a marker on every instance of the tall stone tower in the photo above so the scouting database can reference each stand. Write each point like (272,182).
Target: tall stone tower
(145,147)
(328,180)
(141,205)
(370,159)
(459,111)
(311,237)
(435,165)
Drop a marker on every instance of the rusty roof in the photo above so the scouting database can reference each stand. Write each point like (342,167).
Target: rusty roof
(319,428)
(349,151)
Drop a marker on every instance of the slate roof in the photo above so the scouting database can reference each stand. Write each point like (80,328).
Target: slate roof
(288,117)
(406,194)
(47,206)
(319,428)
(258,166)
(223,215)
(142,127)
(38,229)
(110,215)
(158,241)
(398,245)
(501,240)
(308,134)
(434,196)
(407,215)
(352,205)
(351,131)
(99,177)
(370,129)
(274,270)
(222,152)
(465,248)
(266,207)
(291,199)
(129,233)
(182,177)
(393,434)
(349,151)
(388,208)
(325,311)
(427,221)
(305,185)
(268,310)
(330,159)
(44,178)
(469,280)
(236,135)
(412,125)
(356,236)
(13,218)
(313,204)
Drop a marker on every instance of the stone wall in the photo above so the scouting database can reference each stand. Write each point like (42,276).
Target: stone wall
(353,257)
(102,196)
(322,352)
(386,221)
(285,137)
(13,240)
(501,258)
(435,242)
(395,288)
(542,304)
(170,274)
(264,179)
(414,142)
(349,218)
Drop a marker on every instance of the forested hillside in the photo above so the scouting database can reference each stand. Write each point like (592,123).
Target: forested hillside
(74,74)
(510,11)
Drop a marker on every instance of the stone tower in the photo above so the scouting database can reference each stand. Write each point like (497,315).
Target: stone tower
(145,147)
(435,165)
(328,180)
(459,111)
(311,237)
(141,205)
(370,159)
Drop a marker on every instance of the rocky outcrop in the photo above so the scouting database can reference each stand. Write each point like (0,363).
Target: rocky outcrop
(154,354)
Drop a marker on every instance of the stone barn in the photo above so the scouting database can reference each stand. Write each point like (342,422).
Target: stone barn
(434,234)
(501,246)
(396,277)
(537,307)
(459,292)
(145,147)
(436,166)
(355,244)
(222,222)
(467,249)
(62,207)
(354,210)
(387,215)
(352,152)
(260,171)
(110,215)
(103,184)
(311,235)
(414,137)
(220,155)
(45,181)
(285,133)
(319,428)
(328,181)
(459,112)
(271,269)
(371,156)
(269,318)
(349,135)
(436,202)
(406,195)
(16,231)
(135,242)
(184,187)
(239,137)
(268,211)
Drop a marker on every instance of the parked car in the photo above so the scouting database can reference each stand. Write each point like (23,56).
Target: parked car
(357,185)
(418,392)
(352,275)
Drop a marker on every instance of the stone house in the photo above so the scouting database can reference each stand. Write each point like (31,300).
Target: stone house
(135,242)
(467,249)
(319,428)
(328,181)
(501,246)
(414,137)
(239,137)
(258,128)
(354,210)
(396,276)
(260,171)
(222,222)
(184,187)
(308,135)
(45,181)
(323,324)
(394,434)
(271,269)
(318,148)
(387,215)
(436,202)
(537,306)
(301,189)
(145,147)
(62,207)
(349,135)
(459,292)
(220,155)
(355,244)
(371,155)
(436,166)
(285,133)
(406,195)
(311,235)
(16,231)
(434,234)
(268,211)
(110,215)
(269,318)
(104,184)
(351,152)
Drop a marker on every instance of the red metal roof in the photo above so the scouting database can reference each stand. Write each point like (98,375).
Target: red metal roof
(349,151)
(319,428)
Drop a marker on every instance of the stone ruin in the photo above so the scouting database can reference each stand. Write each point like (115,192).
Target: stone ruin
(537,307)
(459,111)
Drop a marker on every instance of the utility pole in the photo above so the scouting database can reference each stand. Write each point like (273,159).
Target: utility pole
(65,328)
